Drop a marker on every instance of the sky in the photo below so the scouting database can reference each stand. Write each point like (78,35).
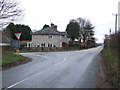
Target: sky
(59,12)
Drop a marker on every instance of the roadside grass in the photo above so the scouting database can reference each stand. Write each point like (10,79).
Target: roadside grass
(0,61)
(10,58)
(111,64)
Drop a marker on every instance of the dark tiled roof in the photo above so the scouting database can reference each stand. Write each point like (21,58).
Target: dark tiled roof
(63,33)
(48,31)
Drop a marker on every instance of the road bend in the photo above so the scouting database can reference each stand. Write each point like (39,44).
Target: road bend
(71,69)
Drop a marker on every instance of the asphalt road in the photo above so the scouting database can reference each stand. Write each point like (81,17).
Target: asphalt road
(73,69)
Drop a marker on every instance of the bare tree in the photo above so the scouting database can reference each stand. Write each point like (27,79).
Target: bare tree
(86,29)
(9,12)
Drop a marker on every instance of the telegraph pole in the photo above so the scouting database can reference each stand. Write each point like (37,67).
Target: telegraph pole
(110,31)
(116,22)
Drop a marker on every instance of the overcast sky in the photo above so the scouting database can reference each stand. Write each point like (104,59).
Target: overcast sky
(59,12)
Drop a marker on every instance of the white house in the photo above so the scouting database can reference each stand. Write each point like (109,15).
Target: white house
(49,37)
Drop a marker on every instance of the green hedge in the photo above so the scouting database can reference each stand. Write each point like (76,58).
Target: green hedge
(111,58)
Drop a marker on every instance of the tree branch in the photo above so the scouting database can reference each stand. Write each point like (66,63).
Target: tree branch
(9,12)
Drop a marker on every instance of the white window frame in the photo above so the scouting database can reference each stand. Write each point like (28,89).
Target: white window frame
(42,44)
(38,45)
(50,36)
(50,45)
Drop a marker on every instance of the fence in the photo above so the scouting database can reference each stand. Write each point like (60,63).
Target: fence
(7,49)
(48,48)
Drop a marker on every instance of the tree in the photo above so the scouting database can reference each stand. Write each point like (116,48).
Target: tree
(73,30)
(9,12)
(25,30)
(86,29)
(85,32)
(80,22)
(89,30)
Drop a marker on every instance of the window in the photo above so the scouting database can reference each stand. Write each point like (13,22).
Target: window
(49,45)
(42,44)
(38,45)
(50,37)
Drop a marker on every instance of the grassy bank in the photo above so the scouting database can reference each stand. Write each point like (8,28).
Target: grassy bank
(111,67)
(111,57)
(0,61)
(11,58)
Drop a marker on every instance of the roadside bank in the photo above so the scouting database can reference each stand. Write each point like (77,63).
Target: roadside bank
(10,60)
(108,71)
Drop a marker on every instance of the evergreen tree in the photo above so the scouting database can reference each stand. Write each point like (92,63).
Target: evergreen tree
(73,30)
(25,30)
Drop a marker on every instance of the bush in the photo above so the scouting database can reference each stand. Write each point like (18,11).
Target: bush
(23,45)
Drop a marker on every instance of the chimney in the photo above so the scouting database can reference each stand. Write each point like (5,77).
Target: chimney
(54,26)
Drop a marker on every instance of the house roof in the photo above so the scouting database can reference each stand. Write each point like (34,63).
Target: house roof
(48,31)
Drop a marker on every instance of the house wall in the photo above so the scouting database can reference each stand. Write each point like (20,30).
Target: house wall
(56,40)
(41,39)
(64,39)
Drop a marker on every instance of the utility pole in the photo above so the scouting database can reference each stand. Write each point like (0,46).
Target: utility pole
(115,22)
(110,31)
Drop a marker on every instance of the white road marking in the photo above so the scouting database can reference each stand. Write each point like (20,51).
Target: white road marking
(61,61)
(64,60)
(33,75)
(42,56)
(22,81)
(45,56)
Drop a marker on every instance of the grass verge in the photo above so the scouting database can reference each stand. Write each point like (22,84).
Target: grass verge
(111,67)
(10,60)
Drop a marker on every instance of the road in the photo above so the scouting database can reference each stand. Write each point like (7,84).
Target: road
(72,69)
